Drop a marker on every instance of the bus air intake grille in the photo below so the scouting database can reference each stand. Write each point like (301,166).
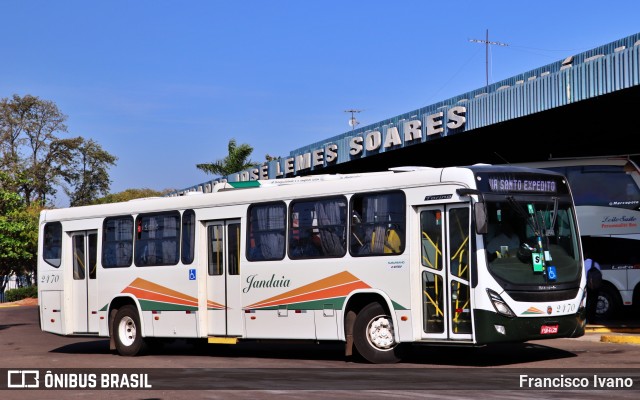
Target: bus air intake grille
(536,296)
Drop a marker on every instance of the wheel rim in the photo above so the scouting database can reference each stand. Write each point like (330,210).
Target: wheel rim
(603,305)
(380,333)
(127,331)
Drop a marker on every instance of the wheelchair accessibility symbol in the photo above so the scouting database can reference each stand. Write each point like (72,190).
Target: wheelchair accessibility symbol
(192,274)
(551,273)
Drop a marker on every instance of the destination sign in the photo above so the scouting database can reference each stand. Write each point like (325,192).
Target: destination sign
(522,185)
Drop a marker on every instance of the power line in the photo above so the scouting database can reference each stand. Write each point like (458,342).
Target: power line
(487,43)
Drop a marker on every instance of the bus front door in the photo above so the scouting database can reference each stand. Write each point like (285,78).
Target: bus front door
(446,296)
(224,301)
(84,286)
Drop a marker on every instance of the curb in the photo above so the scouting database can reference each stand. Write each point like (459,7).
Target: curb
(626,339)
(616,334)
(605,329)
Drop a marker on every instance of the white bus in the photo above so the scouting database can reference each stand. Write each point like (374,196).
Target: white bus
(606,192)
(375,260)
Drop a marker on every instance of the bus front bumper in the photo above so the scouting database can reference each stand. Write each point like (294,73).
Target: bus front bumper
(494,328)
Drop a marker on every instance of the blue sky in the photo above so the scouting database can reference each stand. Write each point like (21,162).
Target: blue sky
(164,85)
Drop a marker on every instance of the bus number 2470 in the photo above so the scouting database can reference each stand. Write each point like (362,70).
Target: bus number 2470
(565,308)
(49,278)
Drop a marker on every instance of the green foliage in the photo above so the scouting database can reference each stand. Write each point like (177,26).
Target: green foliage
(21,293)
(34,163)
(39,161)
(87,176)
(32,153)
(18,232)
(237,160)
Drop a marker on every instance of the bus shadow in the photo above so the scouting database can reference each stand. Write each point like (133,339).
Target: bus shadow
(488,356)
(253,349)
(248,349)
(84,347)
(7,326)
(494,355)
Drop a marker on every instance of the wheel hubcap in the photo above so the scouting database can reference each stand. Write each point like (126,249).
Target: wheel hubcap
(380,333)
(603,305)
(127,331)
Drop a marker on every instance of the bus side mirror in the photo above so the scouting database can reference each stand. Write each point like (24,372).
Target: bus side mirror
(479,209)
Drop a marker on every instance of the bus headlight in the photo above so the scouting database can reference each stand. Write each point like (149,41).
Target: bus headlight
(500,305)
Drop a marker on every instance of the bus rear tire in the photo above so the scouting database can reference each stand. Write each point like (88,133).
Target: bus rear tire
(374,335)
(126,331)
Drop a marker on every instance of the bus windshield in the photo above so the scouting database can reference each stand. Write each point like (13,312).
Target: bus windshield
(532,242)
(603,185)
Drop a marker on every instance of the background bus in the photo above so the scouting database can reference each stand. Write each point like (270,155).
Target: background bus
(376,260)
(606,192)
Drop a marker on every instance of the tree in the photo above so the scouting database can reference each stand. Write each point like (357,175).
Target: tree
(31,152)
(18,234)
(87,174)
(38,160)
(236,161)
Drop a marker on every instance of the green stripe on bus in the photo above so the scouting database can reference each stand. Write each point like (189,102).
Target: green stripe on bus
(397,306)
(330,304)
(325,304)
(147,305)
(244,185)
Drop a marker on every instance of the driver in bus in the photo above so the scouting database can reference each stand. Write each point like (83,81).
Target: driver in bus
(505,243)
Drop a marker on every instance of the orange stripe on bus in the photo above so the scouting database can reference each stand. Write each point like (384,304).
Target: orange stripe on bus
(213,304)
(153,296)
(328,293)
(331,281)
(144,284)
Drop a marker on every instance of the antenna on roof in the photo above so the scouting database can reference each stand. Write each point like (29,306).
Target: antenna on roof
(353,121)
(487,43)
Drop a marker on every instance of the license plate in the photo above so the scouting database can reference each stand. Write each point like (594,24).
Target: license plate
(548,329)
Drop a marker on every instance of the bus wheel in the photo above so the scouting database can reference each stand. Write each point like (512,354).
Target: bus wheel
(126,331)
(608,302)
(373,335)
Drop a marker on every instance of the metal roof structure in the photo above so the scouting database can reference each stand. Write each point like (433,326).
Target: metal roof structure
(583,105)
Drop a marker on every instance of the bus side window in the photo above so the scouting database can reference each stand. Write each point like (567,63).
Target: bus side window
(117,242)
(52,247)
(188,236)
(157,239)
(318,228)
(266,232)
(377,223)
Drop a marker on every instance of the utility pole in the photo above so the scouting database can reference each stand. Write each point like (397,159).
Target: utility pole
(487,43)
(353,121)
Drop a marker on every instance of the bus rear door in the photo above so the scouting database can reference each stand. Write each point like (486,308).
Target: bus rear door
(84,287)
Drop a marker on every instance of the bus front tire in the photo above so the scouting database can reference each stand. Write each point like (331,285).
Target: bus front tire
(374,335)
(126,331)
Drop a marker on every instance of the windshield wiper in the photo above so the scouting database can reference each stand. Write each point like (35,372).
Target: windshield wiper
(524,215)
